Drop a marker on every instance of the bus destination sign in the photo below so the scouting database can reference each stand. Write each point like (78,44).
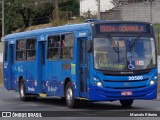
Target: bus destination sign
(104,28)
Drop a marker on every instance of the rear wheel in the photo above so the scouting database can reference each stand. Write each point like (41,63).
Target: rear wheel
(22,91)
(23,95)
(69,95)
(126,103)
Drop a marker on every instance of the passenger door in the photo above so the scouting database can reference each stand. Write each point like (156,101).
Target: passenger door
(83,66)
(42,64)
(11,62)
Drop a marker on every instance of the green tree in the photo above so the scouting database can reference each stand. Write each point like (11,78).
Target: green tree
(26,9)
(13,20)
(70,5)
(43,14)
(23,13)
(17,14)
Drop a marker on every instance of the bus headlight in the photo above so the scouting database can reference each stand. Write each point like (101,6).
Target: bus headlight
(152,82)
(94,78)
(155,77)
(97,81)
(99,84)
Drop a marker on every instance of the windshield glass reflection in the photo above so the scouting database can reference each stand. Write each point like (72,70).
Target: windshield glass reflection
(124,53)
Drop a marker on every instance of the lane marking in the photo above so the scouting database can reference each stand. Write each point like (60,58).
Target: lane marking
(17,96)
(34,105)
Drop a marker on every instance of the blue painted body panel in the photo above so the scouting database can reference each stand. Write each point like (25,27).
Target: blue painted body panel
(50,77)
(102,94)
(111,90)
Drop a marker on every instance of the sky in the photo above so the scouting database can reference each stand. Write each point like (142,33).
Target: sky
(91,5)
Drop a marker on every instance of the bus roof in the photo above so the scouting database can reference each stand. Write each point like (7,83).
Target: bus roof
(65,28)
(57,29)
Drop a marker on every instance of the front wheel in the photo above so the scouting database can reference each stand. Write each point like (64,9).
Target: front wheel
(126,103)
(69,94)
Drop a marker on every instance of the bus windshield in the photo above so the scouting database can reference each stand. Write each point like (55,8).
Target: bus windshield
(124,53)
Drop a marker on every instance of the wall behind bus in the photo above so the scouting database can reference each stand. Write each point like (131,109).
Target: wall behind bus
(144,11)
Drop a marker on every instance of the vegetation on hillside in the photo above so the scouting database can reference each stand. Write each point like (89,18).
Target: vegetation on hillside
(20,14)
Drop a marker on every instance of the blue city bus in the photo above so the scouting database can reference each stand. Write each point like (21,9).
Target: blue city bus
(93,61)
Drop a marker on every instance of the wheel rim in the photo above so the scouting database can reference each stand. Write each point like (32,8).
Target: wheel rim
(69,95)
(22,90)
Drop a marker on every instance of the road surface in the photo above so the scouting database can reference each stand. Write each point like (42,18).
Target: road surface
(9,101)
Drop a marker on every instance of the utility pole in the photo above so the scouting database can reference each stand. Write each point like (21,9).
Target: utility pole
(56,10)
(151,1)
(81,12)
(2,20)
(98,9)
(151,6)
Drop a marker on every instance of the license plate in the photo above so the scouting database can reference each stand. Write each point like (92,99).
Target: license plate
(126,93)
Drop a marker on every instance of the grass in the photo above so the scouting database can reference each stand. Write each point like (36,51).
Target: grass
(51,24)
(156,26)
(1,82)
(1,46)
(157,33)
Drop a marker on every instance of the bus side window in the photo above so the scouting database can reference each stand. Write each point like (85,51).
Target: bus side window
(20,50)
(31,49)
(67,46)
(6,51)
(53,47)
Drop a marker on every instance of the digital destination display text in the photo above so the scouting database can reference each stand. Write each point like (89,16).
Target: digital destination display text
(103,28)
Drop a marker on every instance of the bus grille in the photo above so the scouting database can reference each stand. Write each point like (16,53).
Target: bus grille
(121,84)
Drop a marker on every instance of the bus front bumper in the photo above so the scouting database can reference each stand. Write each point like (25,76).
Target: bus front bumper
(108,94)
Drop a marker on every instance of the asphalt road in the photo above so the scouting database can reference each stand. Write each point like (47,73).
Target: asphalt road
(9,101)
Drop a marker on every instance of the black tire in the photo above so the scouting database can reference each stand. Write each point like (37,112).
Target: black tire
(69,95)
(23,95)
(126,103)
(22,91)
(63,99)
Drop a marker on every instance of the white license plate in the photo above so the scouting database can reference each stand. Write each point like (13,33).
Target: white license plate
(126,93)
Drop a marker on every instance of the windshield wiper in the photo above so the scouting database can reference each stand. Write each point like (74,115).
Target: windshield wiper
(134,43)
(113,44)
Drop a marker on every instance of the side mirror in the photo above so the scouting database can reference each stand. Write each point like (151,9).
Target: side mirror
(89,46)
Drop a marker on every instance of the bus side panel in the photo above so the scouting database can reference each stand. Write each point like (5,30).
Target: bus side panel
(30,73)
(14,78)
(9,80)
(66,71)
(19,70)
(55,75)
(6,75)
(52,82)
